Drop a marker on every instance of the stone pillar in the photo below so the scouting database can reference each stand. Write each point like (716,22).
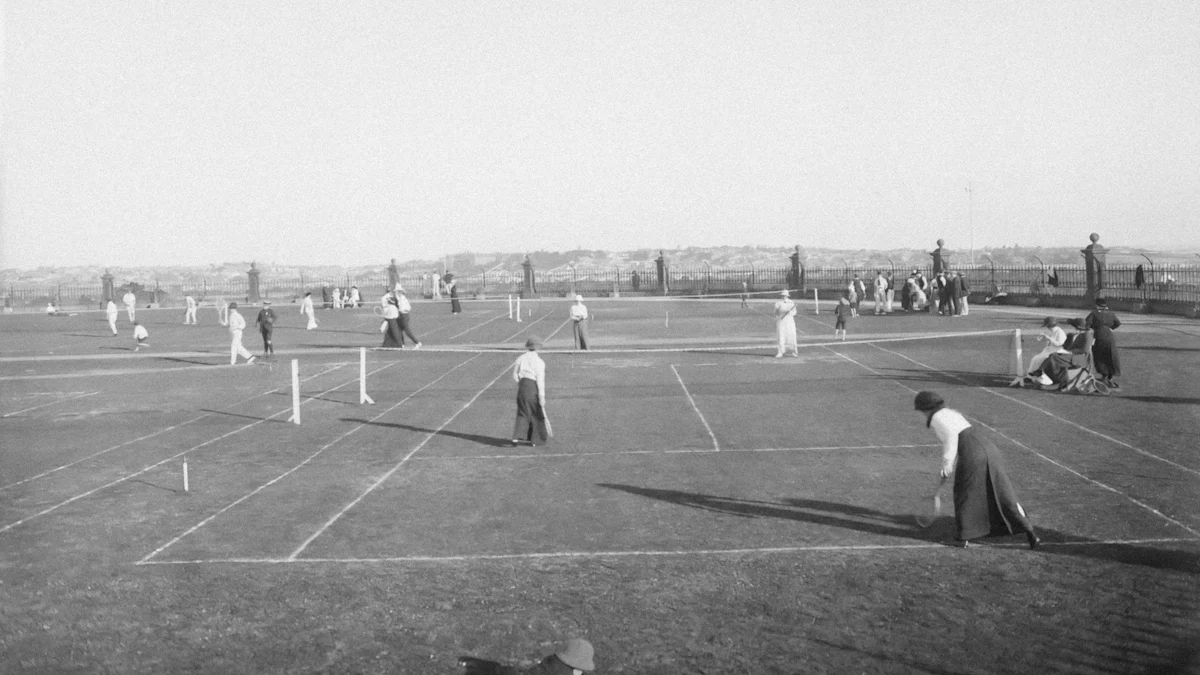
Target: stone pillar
(662,270)
(106,281)
(940,262)
(394,275)
(1094,258)
(252,284)
(795,278)
(528,284)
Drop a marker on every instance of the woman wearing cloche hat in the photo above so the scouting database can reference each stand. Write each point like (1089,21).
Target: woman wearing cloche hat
(985,503)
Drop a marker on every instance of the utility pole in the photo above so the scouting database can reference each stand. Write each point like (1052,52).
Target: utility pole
(971,219)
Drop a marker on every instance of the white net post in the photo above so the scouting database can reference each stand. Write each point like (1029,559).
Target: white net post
(362,378)
(295,418)
(185,475)
(510,308)
(1016,352)
(816,303)
(519,309)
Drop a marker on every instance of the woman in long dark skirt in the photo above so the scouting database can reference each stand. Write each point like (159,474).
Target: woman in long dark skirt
(529,372)
(985,503)
(392,338)
(452,288)
(1104,351)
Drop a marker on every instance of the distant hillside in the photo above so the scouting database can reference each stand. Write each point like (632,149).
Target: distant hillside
(472,263)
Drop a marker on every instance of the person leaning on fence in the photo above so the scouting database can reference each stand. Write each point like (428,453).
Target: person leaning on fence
(111,312)
(579,317)
(237,324)
(529,372)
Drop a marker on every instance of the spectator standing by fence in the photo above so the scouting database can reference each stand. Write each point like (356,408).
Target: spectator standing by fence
(881,285)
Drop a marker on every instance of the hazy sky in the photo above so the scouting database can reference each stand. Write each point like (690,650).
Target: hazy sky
(354,131)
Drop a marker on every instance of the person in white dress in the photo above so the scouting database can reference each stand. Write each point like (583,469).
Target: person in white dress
(237,324)
(189,317)
(355,298)
(337,297)
(1054,337)
(130,301)
(111,312)
(306,309)
(785,324)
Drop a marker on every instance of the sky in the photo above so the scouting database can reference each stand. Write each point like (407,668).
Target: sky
(139,132)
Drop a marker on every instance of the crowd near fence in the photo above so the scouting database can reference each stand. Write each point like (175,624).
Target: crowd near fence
(1147,284)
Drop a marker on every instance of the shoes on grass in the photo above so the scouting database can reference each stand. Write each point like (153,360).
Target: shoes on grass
(250,360)
(416,346)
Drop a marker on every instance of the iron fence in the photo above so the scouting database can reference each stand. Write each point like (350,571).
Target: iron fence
(1146,283)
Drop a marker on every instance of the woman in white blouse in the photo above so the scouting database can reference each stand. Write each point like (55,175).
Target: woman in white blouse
(529,372)
(985,503)
(1054,336)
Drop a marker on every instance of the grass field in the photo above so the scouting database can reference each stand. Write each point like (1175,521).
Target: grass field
(703,507)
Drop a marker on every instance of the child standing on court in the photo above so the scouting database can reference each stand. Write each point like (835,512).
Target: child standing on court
(842,311)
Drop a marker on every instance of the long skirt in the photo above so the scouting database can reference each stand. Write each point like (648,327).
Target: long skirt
(985,503)
(1104,354)
(531,420)
(455,306)
(391,337)
(405,330)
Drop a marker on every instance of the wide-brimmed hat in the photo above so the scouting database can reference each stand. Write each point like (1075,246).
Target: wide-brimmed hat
(1101,302)
(1049,321)
(266,302)
(233,305)
(928,400)
(786,294)
(533,343)
(578,298)
(578,654)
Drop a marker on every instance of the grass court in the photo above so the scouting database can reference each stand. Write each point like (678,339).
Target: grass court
(703,507)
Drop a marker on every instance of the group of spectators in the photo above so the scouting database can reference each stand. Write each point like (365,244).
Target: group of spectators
(945,294)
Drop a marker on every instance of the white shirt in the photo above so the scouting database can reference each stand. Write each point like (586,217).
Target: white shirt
(948,424)
(1055,336)
(139,332)
(578,312)
(236,323)
(390,311)
(354,295)
(532,366)
(306,305)
(191,302)
(111,309)
(880,284)
(784,309)
(405,305)
(129,298)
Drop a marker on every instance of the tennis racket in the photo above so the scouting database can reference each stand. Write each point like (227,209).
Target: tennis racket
(932,507)
(549,429)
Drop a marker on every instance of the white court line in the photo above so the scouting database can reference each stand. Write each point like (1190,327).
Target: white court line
(173,457)
(1044,457)
(682,451)
(716,446)
(1050,414)
(148,436)
(61,400)
(394,469)
(829,548)
(292,470)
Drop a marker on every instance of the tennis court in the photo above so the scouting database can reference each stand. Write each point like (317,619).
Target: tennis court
(703,506)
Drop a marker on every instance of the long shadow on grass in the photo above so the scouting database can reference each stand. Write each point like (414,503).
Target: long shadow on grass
(805,510)
(279,420)
(954,377)
(1184,400)
(1160,349)
(474,438)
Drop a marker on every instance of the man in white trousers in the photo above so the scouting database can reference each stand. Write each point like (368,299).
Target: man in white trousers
(130,301)
(785,324)
(237,324)
(189,317)
(881,285)
(111,312)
